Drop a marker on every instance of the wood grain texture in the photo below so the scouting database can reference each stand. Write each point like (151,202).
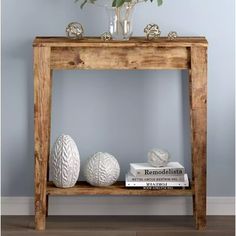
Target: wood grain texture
(121,58)
(132,43)
(50,106)
(198,115)
(82,188)
(118,226)
(42,115)
(137,53)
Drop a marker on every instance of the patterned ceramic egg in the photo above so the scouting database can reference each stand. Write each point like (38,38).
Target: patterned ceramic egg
(102,169)
(64,162)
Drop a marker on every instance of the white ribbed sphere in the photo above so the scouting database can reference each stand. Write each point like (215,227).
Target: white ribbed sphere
(64,162)
(158,157)
(102,169)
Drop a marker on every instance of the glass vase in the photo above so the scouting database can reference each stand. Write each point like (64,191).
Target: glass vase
(120,21)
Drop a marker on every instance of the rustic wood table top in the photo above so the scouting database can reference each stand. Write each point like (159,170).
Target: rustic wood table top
(133,42)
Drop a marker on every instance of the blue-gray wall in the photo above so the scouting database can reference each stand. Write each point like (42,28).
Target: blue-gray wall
(122,112)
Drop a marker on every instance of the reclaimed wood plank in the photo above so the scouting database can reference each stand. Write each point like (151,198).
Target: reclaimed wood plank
(198,117)
(133,42)
(83,188)
(42,114)
(120,58)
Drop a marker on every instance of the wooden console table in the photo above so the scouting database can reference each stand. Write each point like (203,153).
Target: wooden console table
(52,53)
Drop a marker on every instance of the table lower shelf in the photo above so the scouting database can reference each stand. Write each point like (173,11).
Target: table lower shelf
(83,188)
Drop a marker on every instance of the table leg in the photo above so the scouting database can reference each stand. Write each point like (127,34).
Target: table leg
(198,116)
(42,120)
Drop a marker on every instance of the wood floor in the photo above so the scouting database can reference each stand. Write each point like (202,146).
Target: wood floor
(118,226)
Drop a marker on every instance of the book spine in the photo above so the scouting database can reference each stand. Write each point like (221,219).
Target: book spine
(155,188)
(156,179)
(184,183)
(156,184)
(166,172)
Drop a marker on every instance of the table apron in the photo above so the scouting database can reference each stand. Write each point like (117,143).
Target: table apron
(152,58)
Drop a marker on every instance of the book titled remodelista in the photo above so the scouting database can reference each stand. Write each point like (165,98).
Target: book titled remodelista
(154,178)
(145,169)
(184,183)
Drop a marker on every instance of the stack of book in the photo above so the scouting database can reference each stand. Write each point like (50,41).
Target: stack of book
(144,175)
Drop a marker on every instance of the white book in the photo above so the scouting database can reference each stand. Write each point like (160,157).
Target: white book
(155,178)
(184,183)
(145,169)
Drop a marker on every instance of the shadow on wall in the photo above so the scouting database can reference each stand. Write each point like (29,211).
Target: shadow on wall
(186,122)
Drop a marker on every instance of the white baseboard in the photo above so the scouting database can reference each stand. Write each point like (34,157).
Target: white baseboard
(103,205)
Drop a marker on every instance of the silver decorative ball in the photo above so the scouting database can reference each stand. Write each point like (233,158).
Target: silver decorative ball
(152,31)
(64,162)
(74,30)
(158,157)
(106,36)
(102,169)
(172,35)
